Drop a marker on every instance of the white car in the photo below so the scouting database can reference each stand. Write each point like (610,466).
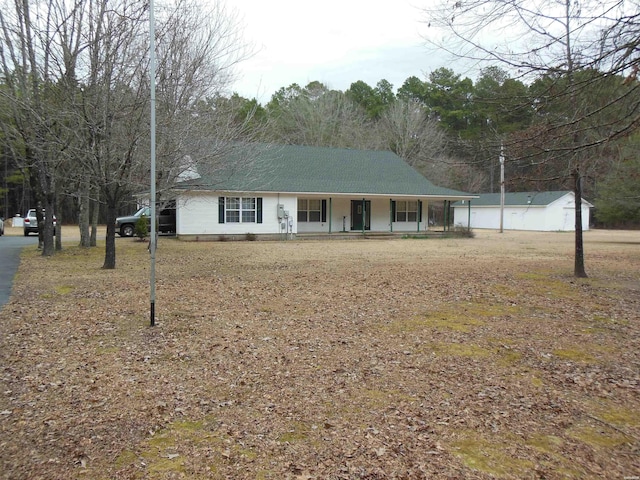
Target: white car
(31,222)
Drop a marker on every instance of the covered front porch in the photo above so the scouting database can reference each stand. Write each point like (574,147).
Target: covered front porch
(342,214)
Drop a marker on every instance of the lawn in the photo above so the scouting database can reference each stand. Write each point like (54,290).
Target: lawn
(338,359)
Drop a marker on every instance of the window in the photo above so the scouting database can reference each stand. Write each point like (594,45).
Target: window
(406,211)
(311,210)
(232,211)
(240,209)
(248,210)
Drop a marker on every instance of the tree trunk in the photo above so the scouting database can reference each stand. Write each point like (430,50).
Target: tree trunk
(58,227)
(579,270)
(35,188)
(40,222)
(95,215)
(84,215)
(110,250)
(48,239)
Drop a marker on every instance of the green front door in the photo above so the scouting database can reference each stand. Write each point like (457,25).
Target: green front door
(360,212)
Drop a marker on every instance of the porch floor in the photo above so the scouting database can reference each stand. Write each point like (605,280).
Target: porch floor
(359,235)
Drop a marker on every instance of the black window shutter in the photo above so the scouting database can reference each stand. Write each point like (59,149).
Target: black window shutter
(419,210)
(324,210)
(220,209)
(393,210)
(259,209)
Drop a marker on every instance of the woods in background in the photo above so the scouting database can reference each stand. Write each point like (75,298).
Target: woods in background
(562,103)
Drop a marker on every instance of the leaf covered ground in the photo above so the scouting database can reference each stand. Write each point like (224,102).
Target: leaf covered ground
(340,359)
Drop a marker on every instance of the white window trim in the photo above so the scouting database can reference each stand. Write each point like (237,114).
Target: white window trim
(240,209)
(307,210)
(407,210)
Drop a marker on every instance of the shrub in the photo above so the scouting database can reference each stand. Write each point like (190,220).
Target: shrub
(462,231)
(141,228)
(252,237)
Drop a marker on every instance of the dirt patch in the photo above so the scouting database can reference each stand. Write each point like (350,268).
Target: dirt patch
(456,358)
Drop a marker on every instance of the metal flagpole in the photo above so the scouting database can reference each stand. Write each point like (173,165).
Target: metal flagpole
(501,190)
(152,243)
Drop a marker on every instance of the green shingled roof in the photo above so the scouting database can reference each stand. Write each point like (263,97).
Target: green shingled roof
(302,169)
(517,199)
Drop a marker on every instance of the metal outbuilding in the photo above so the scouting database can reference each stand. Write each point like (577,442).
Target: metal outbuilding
(540,211)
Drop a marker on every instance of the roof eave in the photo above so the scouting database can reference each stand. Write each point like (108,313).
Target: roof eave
(455,197)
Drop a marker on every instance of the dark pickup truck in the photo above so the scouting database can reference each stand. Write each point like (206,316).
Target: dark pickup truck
(126,226)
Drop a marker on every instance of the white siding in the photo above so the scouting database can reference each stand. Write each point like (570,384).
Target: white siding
(197,214)
(339,216)
(380,215)
(314,227)
(562,215)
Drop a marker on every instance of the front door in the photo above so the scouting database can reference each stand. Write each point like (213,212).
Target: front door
(360,212)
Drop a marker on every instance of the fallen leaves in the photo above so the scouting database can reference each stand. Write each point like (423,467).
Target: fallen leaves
(337,359)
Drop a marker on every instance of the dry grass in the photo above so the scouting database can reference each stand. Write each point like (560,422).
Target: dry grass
(456,358)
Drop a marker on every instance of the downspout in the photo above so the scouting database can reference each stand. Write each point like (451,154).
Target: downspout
(469,217)
(391,214)
(330,205)
(364,214)
(419,214)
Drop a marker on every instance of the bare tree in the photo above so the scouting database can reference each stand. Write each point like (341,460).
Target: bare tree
(406,129)
(576,48)
(318,116)
(198,47)
(113,100)
(77,81)
(39,44)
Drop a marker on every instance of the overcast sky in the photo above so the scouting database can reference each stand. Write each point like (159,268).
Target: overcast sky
(336,42)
